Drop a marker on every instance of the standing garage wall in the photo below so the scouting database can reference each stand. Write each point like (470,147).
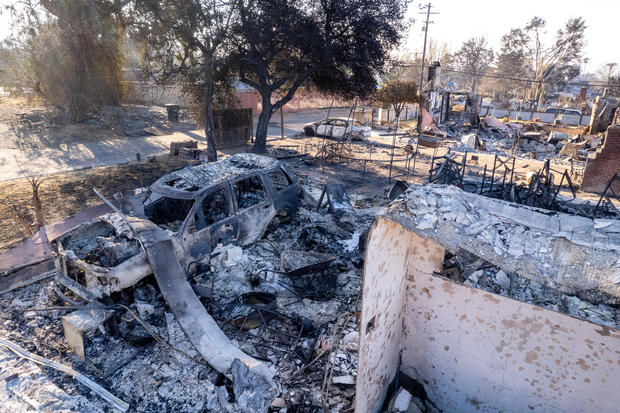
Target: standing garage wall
(382,313)
(473,351)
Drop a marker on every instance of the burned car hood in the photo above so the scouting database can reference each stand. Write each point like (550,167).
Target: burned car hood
(102,255)
(106,241)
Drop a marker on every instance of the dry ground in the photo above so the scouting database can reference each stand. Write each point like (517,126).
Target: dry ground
(62,195)
(30,125)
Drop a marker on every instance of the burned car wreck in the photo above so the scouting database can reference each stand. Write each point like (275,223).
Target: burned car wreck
(201,208)
(172,231)
(231,268)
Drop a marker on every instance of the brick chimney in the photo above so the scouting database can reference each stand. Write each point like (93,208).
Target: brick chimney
(602,166)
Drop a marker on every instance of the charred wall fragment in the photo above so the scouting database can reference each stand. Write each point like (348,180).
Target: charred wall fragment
(475,350)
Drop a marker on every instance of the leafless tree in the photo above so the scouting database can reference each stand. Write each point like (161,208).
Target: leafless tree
(474,57)
(558,61)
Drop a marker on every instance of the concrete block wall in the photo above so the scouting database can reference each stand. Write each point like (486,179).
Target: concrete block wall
(601,167)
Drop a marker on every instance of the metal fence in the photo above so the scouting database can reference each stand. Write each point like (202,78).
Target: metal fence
(364,157)
(570,120)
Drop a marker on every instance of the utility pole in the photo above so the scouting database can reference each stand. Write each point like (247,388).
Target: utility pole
(428,13)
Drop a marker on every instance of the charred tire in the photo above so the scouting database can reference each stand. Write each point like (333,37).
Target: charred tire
(309,131)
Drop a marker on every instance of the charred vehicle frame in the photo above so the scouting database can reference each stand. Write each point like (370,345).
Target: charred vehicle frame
(201,208)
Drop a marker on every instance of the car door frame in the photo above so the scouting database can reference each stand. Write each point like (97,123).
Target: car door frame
(336,124)
(201,242)
(328,127)
(253,220)
(287,198)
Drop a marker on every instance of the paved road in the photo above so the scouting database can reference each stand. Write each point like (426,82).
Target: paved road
(294,121)
(76,155)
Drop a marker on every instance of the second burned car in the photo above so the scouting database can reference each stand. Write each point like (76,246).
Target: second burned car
(200,207)
(338,128)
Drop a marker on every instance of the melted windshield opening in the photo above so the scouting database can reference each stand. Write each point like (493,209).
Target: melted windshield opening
(168,213)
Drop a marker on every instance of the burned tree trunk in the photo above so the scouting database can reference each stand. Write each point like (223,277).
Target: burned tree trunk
(35,183)
(260,142)
(36,204)
(398,108)
(208,108)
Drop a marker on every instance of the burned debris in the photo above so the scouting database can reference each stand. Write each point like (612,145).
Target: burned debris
(102,255)
(520,238)
(258,317)
(200,207)
(540,189)
(242,286)
(261,310)
(492,292)
(388,245)
(592,305)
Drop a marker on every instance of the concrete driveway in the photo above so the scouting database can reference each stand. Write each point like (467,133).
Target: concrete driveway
(42,159)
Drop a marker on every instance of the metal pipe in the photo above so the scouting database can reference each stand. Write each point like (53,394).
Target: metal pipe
(493,173)
(484,177)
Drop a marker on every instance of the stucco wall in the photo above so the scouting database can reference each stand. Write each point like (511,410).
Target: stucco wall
(481,352)
(382,307)
(473,351)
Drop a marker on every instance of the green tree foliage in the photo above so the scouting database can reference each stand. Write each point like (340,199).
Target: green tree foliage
(397,94)
(511,59)
(337,46)
(12,61)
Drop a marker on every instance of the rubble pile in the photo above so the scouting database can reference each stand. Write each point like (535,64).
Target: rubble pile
(290,300)
(496,136)
(313,332)
(287,300)
(489,278)
(403,401)
(530,244)
(21,382)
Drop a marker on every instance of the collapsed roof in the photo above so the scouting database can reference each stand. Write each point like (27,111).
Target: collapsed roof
(572,254)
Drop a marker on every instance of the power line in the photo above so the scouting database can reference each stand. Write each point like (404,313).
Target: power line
(428,13)
(508,77)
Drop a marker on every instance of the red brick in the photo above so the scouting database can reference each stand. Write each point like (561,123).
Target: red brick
(602,167)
